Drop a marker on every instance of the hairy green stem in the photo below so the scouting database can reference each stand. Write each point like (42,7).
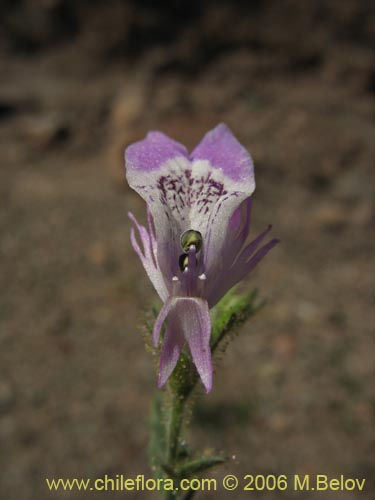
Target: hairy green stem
(174,428)
(173,461)
(189,495)
(174,424)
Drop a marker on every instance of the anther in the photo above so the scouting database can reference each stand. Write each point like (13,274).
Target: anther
(189,238)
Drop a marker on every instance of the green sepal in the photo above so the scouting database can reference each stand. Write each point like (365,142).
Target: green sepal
(184,376)
(231,312)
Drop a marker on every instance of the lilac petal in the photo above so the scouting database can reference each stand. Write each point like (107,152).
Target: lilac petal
(190,320)
(153,152)
(237,233)
(253,245)
(225,163)
(151,231)
(148,244)
(262,252)
(228,244)
(173,343)
(240,269)
(244,231)
(231,261)
(223,151)
(165,310)
(195,322)
(240,220)
(183,194)
(148,258)
(155,169)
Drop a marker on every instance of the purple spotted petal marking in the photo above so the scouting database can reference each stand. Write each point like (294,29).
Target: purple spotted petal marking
(208,192)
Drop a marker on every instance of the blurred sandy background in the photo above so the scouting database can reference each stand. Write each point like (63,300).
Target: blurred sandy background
(79,80)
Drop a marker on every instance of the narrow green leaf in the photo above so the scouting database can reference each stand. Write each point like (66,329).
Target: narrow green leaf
(199,465)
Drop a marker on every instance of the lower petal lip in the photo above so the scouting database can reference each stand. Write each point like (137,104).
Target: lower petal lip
(188,319)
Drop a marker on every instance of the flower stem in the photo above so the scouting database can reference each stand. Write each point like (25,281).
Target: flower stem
(174,425)
(169,457)
(174,428)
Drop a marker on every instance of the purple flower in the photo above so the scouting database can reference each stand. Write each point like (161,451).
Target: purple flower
(194,250)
